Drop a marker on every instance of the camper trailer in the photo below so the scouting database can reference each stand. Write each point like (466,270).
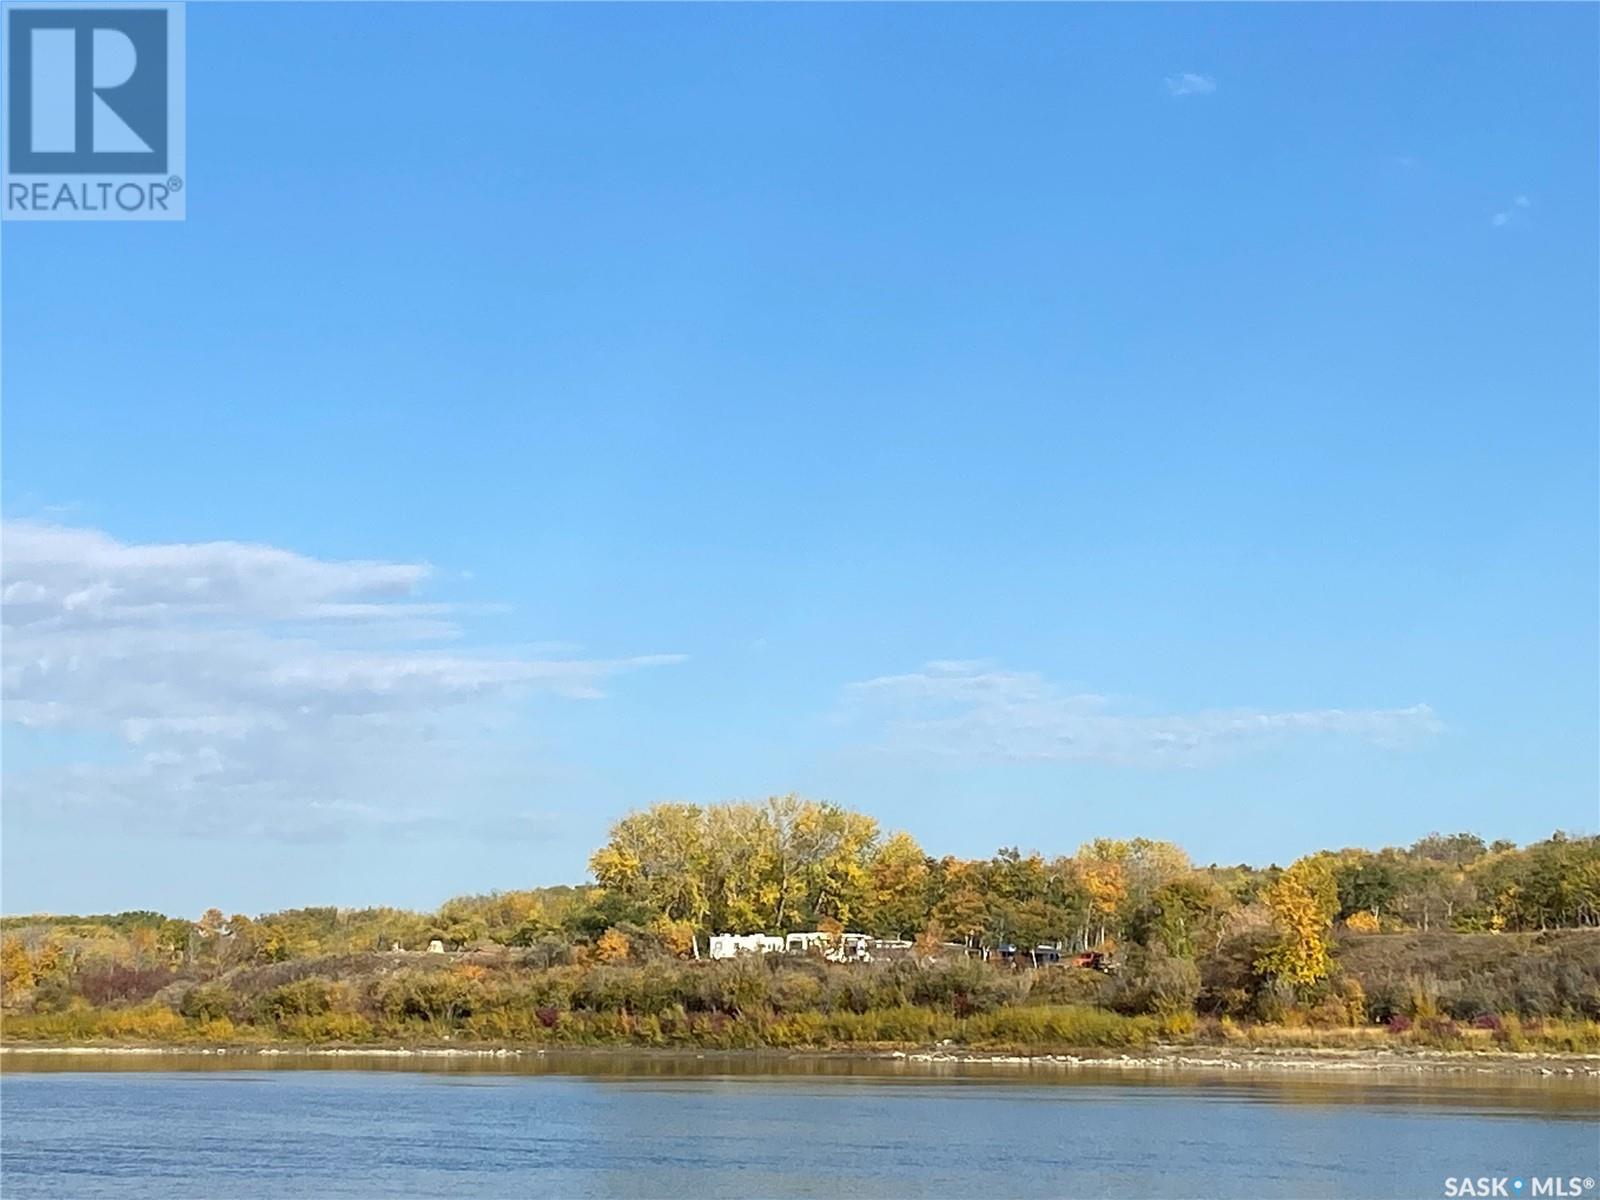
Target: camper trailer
(731,945)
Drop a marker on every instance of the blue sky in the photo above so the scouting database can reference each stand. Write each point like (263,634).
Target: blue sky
(1022,423)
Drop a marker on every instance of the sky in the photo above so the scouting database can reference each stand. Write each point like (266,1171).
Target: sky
(1024,424)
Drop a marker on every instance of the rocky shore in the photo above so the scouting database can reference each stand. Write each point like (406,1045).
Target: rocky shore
(1161,1059)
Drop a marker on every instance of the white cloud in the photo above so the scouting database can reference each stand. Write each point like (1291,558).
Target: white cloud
(250,687)
(1512,211)
(975,711)
(1190,84)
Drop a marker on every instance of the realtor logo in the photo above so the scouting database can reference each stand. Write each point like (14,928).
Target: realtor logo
(94,109)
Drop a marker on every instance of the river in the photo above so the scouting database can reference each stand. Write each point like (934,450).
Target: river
(641,1126)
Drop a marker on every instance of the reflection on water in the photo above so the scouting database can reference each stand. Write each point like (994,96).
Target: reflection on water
(1472,1087)
(647,1125)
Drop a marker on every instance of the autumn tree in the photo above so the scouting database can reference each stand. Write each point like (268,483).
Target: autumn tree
(614,946)
(771,867)
(1102,865)
(743,851)
(897,887)
(1303,902)
(959,904)
(657,858)
(16,967)
(832,848)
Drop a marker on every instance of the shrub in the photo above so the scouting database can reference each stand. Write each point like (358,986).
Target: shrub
(302,998)
(799,1029)
(1328,1012)
(846,991)
(217,1029)
(795,991)
(542,950)
(1155,981)
(1229,983)
(207,1002)
(1508,1033)
(903,1023)
(1438,1031)
(52,995)
(329,1027)
(1423,1001)
(503,1025)
(1276,1002)
(440,999)
(151,1023)
(890,985)
(614,946)
(1069,985)
(549,988)
(1568,1037)
(1177,1026)
(730,986)
(74,1025)
(1354,997)
(119,984)
(1385,1001)
(1066,1026)
(965,987)
(604,989)
(1533,975)
(1423,998)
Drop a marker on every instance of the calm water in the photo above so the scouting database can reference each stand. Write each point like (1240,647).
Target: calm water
(653,1127)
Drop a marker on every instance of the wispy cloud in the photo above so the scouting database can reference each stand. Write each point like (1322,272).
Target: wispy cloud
(1190,84)
(1513,211)
(250,688)
(976,711)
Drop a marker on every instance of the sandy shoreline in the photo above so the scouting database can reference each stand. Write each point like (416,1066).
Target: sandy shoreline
(1171,1058)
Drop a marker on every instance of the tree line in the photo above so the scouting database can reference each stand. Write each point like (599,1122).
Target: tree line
(671,874)
(788,863)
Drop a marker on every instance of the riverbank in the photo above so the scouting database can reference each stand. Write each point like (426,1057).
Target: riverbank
(1156,1058)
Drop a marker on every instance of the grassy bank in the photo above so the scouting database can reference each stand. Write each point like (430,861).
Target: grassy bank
(1044,1028)
(1052,1026)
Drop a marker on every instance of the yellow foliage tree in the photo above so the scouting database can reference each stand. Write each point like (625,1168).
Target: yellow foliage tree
(613,947)
(657,858)
(831,848)
(676,936)
(1102,866)
(898,885)
(1303,902)
(961,909)
(743,854)
(16,968)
